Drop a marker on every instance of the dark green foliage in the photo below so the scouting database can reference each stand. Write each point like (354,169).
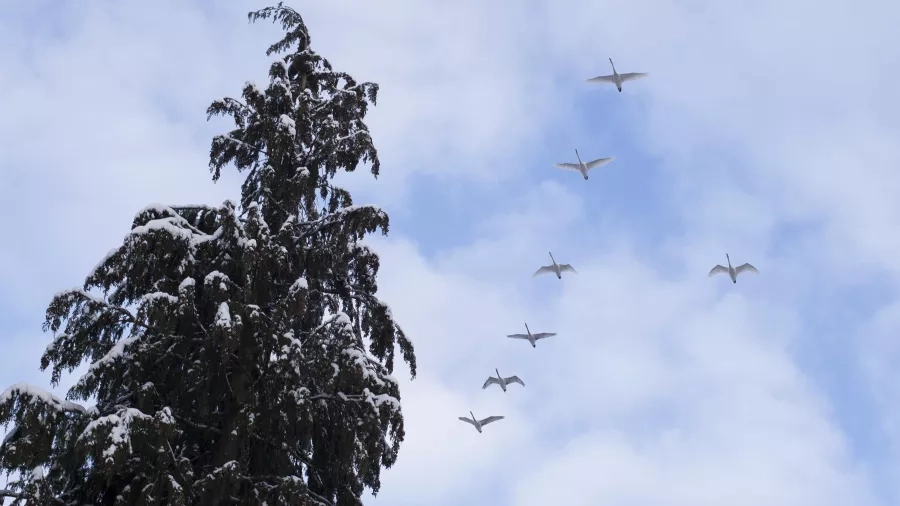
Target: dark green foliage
(238,355)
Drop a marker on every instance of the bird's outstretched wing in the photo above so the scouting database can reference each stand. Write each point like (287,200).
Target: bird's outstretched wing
(717,270)
(569,166)
(490,381)
(518,336)
(490,419)
(601,79)
(547,269)
(745,268)
(631,76)
(543,335)
(567,268)
(467,420)
(598,162)
(514,379)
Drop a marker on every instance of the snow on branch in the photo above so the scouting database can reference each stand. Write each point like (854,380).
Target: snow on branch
(115,353)
(217,276)
(220,140)
(369,367)
(119,425)
(168,224)
(377,400)
(92,309)
(9,493)
(27,392)
(158,209)
(223,316)
(83,294)
(299,284)
(340,215)
(156,296)
(286,122)
(367,397)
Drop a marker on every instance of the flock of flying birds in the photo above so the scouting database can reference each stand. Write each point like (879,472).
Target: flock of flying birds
(558,269)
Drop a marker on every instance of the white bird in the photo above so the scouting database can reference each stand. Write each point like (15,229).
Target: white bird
(584,167)
(617,78)
(532,338)
(556,268)
(732,271)
(478,424)
(500,380)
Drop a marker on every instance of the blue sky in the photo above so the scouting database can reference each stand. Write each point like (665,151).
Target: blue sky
(765,130)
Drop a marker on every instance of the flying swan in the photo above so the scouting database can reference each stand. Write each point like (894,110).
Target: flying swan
(500,380)
(478,424)
(617,78)
(583,167)
(732,271)
(556,268)
(532,338)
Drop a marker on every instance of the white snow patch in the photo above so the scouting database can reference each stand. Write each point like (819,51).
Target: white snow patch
(165,416)
(9,435)
(364,363)
(41,394)
(83,293)
(288,124)
(223,316)
(111,253)
(300,394)
(239,142)
(150,297)
(284,85)
(117,351)
(158,208)
(387,311)
(376,400)
(349,209)
(351,135)
(342,319)
(121,428)
(214,276)
(163,224)
(300,284)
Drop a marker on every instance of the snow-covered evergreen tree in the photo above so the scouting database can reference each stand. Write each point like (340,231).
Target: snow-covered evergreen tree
(238,354)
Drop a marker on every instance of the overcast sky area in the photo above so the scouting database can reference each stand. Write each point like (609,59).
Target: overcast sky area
(767,130)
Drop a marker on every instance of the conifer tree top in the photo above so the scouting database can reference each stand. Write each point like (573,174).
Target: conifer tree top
(238,354)
(294,136)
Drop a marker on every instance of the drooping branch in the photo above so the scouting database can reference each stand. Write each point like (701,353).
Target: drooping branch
(11,494)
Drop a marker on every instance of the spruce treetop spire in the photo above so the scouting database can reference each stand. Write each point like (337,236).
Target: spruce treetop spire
(296,134)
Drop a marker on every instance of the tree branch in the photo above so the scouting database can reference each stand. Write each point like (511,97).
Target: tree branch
(10,493)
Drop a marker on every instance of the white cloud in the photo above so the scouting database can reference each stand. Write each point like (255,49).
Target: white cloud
(652,390)
(440,453)
(679,398)
(666,386)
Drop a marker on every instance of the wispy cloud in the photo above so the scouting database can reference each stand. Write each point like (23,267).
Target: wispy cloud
(766,130)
